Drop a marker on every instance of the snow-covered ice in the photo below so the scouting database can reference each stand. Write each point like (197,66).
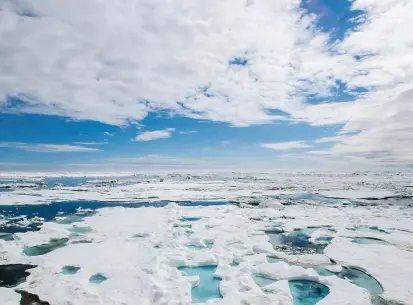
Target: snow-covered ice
(121,254)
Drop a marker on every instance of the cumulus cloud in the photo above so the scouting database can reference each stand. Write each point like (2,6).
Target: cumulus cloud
(286,145)
(116,61)
(383,68)
(47,148)
(154,135)
(377,126)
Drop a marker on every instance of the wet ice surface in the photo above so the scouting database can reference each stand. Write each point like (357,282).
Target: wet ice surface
(290,239)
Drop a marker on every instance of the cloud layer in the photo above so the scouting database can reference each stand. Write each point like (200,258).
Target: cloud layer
(228,61)
(115,61)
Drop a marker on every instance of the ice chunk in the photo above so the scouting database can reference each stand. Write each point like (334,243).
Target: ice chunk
(9,297)
(334,268)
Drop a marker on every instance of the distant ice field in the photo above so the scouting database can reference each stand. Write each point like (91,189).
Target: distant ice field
(215,238)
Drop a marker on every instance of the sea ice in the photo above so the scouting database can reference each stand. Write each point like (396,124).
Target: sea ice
(389,265)
(139,250)
(9,297)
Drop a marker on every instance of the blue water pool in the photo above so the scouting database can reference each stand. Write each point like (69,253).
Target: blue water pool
(208,287)
(355,276)
(368,241)
(70,270)
(52,245)
(296,241)
(97,278)
(307,292)
(190,218)
(361,279)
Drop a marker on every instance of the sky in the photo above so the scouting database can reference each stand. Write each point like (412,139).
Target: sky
(131,85)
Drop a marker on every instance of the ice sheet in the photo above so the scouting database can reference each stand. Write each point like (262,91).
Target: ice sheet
(139,250)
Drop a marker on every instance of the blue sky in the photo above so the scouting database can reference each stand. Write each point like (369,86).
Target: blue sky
(303,85)
(192,138)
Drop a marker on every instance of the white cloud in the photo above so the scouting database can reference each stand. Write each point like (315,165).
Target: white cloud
(377,127)
(150,56)
(188,132)
(319,152)
(47,148)
(286,145)
(154,135)
(110,134)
